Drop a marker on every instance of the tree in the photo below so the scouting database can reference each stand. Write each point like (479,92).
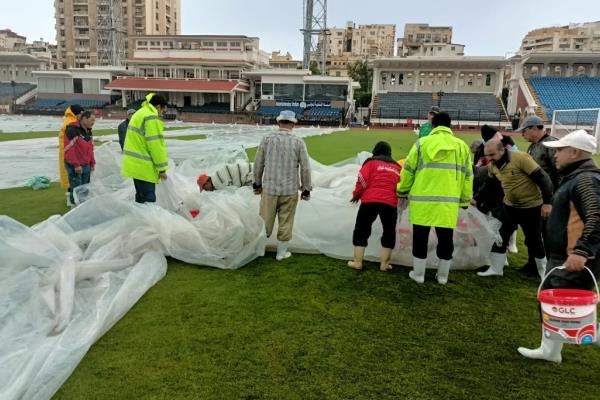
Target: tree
(359,71)
(314,68)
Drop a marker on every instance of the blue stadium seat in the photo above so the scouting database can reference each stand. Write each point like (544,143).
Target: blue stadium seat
(6,89)
(460,106)
(562,93)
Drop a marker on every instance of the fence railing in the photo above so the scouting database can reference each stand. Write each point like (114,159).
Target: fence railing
(458,115)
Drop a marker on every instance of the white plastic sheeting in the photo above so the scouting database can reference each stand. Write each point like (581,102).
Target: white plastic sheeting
(22,159)
(57,300)
(322,225)
(66,281)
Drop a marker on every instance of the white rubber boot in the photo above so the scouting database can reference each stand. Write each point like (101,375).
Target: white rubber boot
(549,350)
(282,251)
(512,243)
(443,271)
(384,264)
(541,263)
(357,261)
(496,268)
(418,272)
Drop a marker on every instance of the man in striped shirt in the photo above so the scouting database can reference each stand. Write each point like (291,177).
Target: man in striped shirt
(281,169)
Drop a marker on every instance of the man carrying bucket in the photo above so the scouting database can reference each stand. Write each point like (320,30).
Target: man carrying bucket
(573,234)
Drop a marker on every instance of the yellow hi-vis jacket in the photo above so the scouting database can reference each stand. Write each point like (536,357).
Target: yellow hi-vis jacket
(145,151)
(437,178)
(68,120)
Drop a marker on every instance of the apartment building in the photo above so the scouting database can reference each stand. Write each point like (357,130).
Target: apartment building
(95,32)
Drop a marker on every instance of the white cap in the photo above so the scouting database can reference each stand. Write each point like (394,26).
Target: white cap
(578,139)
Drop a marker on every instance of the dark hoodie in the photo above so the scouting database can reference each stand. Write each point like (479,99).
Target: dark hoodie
(574,224)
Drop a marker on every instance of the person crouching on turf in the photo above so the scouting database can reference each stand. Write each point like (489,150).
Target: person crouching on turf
(376,190)
(238,175)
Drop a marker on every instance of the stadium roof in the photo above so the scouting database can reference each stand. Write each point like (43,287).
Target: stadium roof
(196,60)
(19,58)
(440,62)
(560,57)
(178,85)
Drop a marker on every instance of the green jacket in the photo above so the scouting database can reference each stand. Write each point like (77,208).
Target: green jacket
(145,151)
(425,129)
(437,178)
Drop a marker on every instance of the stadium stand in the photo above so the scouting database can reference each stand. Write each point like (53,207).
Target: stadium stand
(208,108)
(561,93)
(6,89)
(57,106)
(307,116)
(460,106)
(273,111)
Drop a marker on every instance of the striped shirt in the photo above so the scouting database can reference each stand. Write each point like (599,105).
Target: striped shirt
(238,174)
(281,162)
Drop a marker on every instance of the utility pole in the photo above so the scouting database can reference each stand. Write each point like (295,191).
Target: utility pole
(111,32)
(314,30)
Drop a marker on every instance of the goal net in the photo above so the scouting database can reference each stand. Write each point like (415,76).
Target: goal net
(565,121)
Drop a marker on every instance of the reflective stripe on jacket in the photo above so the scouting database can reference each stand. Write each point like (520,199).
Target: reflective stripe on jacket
(437,178)
(145,151)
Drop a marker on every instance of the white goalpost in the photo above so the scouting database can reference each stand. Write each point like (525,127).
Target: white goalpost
(565,121)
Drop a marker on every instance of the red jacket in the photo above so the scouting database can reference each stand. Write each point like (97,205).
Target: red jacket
(79,146)
(377,182)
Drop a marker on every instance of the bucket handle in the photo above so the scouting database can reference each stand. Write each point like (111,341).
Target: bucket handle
(563,267)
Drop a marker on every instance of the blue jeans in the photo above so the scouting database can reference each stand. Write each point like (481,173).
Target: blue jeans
(144,191)
(76,179)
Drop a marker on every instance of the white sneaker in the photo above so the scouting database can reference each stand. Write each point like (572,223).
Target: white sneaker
(283,256)
(282,251)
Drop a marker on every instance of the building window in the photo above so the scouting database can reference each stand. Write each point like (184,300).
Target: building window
(267,89)
(488,79)
(222,44)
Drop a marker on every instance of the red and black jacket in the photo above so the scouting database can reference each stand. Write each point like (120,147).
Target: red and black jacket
(377,180)
(79,146)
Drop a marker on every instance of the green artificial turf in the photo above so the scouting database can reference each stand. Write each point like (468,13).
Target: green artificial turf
(311,328)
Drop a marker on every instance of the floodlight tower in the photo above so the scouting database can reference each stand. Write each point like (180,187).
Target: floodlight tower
(111,32)
(314,30)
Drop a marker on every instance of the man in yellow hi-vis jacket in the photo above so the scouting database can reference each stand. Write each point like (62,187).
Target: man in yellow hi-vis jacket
(437,180)
(145,151)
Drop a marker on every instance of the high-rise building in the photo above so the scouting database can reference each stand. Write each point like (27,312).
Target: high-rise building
(95,32)
(351,44)
(10,41)
(363,41)
(581,38)
(426,40)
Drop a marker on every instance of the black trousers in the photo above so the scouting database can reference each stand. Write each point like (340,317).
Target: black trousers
(367,214)
(145,192)
(530,220)
(445,246)
(562,279)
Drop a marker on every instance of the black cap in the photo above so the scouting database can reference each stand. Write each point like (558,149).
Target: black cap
(77,109)
(487,132)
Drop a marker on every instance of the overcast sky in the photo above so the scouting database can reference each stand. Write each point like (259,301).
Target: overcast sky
(486,28)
